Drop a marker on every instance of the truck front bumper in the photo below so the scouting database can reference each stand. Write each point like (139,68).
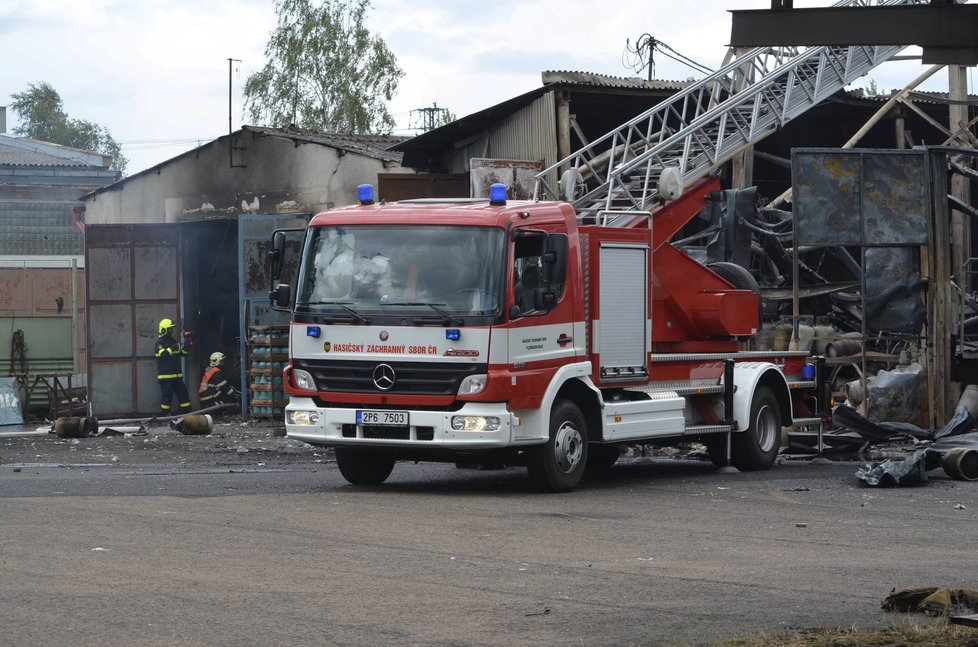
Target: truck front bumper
(338,426)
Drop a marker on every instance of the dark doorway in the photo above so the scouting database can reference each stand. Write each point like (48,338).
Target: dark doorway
(209,257)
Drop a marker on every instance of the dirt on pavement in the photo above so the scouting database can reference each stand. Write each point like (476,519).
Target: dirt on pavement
(232,442)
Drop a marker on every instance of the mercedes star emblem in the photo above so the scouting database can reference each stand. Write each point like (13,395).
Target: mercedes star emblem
(384,377)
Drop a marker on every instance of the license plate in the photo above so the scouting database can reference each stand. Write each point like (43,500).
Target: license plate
(382,418)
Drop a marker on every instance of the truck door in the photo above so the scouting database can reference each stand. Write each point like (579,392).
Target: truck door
(540,311)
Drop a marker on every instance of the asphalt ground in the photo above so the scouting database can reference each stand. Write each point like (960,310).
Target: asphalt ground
(246,537)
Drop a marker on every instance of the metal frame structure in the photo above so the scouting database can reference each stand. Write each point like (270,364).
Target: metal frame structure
(706,124)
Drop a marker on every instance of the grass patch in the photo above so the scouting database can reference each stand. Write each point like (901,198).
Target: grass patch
(907,632)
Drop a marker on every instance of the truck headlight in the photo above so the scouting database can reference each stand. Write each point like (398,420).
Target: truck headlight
(303,380)
(473,385)
(303,418)
(475,423)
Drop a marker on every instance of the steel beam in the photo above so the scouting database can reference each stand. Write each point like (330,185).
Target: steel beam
(948,33)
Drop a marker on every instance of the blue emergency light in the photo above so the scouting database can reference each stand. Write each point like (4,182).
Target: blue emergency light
(365,194)
(497,194)
(453,334)
(808,372)
(313,331)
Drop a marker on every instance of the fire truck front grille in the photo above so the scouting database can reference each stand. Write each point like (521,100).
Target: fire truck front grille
(389,433)
(415,378)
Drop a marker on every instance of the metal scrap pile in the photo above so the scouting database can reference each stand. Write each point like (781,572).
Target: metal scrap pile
(830,278)
(953,447)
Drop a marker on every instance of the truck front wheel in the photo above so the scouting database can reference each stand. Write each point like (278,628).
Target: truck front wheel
(362,466)
(558,464)
(756,447)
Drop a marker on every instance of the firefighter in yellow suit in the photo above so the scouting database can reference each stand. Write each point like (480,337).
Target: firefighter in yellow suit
(169,368)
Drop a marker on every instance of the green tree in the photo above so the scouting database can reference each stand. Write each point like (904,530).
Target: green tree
(42,116)
(324,71)
(445,117)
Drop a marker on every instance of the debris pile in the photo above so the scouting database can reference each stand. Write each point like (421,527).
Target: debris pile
(953,447)
(932,601)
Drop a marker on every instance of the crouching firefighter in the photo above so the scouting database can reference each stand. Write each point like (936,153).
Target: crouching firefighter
(214,387)
(169,368)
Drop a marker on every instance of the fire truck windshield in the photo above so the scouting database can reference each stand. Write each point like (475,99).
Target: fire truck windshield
(411,271)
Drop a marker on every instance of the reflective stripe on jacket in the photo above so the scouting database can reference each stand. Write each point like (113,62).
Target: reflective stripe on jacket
(169,358)
(208,375)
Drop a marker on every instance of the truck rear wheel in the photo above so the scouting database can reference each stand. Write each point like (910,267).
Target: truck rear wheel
(558,464)
(362,466)
(757,447)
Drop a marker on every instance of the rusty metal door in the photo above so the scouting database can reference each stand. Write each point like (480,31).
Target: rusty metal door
(518,176)
(132,281)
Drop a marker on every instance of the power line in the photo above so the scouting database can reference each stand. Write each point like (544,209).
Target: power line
(682,58)
(642,55)
(644,46)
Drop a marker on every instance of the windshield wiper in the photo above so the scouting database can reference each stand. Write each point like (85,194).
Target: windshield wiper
(357,317)
(434,306)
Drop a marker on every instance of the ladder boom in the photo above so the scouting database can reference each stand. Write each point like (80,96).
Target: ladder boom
(705,125)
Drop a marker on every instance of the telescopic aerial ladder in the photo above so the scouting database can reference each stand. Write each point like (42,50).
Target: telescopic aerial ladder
(686,137)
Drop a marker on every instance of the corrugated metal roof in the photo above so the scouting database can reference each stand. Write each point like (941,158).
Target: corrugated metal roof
(567,77)
(375,146)
(937,98)
(580,82)
(39,228)
(23,151)
(20,157)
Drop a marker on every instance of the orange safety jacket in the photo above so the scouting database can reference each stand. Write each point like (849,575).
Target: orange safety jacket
(205,381)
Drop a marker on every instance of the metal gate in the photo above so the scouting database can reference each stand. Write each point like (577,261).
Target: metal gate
(132,281)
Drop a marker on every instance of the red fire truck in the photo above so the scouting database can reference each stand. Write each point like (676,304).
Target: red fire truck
(515,333)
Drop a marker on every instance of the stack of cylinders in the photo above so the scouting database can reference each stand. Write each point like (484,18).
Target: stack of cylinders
(782,336)
(824,334)
(806,334)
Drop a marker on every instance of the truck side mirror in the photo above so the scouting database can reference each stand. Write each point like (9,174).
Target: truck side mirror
(275,256)
(555,259)
(281,295)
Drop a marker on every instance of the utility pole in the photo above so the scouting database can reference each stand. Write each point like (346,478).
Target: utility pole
(430,117)
(960,225)
(231,62)
(645,43)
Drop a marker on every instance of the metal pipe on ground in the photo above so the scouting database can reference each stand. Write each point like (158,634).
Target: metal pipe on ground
(216,407)
(115,430)
(961,463)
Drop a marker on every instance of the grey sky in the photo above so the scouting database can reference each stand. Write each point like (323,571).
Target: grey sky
(155,73)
